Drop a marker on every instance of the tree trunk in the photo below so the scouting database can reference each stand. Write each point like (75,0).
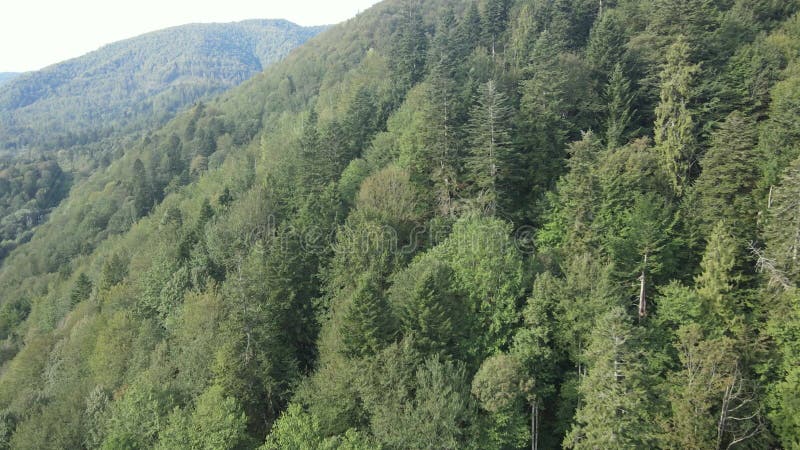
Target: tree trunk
(642,298)
(534,425)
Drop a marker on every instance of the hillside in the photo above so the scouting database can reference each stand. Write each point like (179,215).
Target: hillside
(138,83)
(5,77)
(487,224)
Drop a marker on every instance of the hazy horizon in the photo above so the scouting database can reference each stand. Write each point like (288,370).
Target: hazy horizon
(27,36)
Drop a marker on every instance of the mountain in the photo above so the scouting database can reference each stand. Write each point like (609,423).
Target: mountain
(139,82)
(486,224)
(5,77)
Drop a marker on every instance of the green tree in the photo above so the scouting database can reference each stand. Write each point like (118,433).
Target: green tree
(613,413)
(782,230)
(408,52)
(431,309)
(489,164)
(674,127)
(417,403)
(495,19)
(489,268)
(142,190)
(115,269)
(367,325)
(543,130)
(619,110)
(81,290)
(730,175)
(501,387)
(606,46)
(716,284)
(708,367)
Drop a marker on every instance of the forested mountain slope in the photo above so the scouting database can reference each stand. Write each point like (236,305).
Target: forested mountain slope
(486,224)
(139,82)
(5,77)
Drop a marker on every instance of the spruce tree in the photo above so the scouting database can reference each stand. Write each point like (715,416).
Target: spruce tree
(606,45)
(489,164)
(613,413)
(429,308)
(367,325)
(81,290)
(674,126)
(409,48)
(142,191)
(619,110)
(708,367)
(730,174)
(542,127)
(782,230)
(717,282)
(495,17)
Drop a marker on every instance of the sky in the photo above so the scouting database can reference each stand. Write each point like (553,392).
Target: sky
(37,33)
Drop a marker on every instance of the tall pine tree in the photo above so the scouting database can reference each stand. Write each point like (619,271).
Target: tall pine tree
(489,165)
(675,127)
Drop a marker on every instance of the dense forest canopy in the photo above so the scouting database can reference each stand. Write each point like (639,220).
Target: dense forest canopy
(82,114)
(490,224)
(138,83)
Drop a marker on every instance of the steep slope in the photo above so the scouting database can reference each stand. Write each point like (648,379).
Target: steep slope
(442,224)
(138,82)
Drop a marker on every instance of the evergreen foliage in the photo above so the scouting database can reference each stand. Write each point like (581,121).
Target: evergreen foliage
(482,225)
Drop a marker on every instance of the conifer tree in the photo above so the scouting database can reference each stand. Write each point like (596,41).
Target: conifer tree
(717,281)
(730,174)
(430,309)
(367,325)
(542,127)
(606,45)
(489,163)
(469,28)
(674,126)
(782,230)
(618,110)
(409,48)
(613,412)
(697,391)
(495,17)
(142,191)
(81,290)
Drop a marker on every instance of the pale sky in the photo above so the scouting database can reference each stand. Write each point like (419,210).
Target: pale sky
(38,33)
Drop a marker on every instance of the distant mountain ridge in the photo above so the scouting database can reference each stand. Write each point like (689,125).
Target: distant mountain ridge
(138,82)
(5,77)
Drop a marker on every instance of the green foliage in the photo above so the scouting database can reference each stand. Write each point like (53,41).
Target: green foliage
(427,228)
(28,191)
(138,83)
(367,325)
(431,309)
(500,387)
(82,289)
(674,125)
(725,188)
(708,369)
(614,390)
(217,422)
(488,267)
(619,100)
(489,166)
(418,404)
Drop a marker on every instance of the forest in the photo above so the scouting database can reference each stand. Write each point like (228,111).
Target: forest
(137,84)
(442,224)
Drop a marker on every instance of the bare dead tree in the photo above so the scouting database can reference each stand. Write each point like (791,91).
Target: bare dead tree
(740,416)
(764,264)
